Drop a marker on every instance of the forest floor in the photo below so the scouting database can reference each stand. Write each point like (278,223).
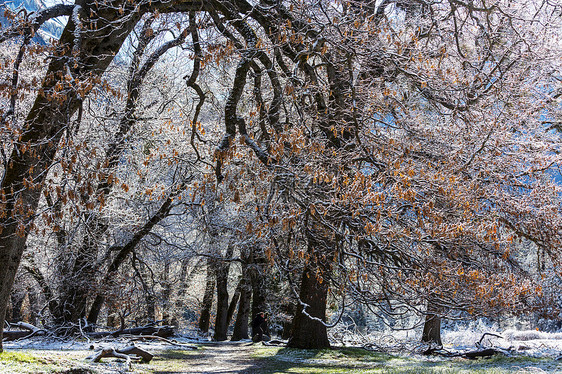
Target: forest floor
(246,357)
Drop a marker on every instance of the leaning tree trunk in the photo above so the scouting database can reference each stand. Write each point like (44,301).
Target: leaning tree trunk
(234,302)
(241,325)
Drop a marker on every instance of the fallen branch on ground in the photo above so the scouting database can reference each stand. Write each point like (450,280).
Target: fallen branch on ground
(111,352)
(130,353)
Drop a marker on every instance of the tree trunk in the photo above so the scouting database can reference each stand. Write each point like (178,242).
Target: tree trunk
(432,326)
(16,300)
(166,294)
(432,330)
(307,333)
(241,325)
(205,317)
(234,302)
(141,271)
(256,270)
(221,323)
(33,306)
(76,285)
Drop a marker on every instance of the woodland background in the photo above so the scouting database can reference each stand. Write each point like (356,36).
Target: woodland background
(368,163)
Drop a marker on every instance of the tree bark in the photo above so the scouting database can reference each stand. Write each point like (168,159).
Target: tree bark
(432,326)
(257,264)
(234,302)
(432,330)
(241,325)
(33,306)
(16,300)
(308,333)
(221,323)
(207,304)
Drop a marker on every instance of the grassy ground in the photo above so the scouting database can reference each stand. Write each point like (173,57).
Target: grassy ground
(268,360)
(352,360)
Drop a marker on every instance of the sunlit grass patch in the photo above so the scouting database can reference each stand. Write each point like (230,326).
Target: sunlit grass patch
(47,362)
(20,357)
(278,360)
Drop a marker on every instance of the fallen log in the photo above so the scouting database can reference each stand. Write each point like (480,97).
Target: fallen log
(161,331)
(27,330)
(26,326)
(17,334)
(481,353)
(153,337)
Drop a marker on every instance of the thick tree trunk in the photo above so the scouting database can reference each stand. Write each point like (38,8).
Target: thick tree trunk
(432,330)
(308,333)
(76,285)
(207,304)
(432,326)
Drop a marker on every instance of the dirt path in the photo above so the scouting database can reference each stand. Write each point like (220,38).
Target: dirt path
(223,358)
(211,357)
